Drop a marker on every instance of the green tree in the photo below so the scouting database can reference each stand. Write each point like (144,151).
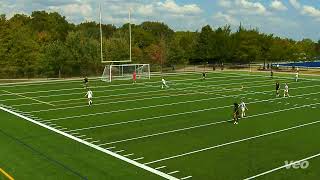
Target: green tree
(56,59)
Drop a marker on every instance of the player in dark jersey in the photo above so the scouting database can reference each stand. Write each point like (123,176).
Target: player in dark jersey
(85,82)
(204,75)
(236,113)
(271,74)
(277,89)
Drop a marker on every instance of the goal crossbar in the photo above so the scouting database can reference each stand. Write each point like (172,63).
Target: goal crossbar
(125,72)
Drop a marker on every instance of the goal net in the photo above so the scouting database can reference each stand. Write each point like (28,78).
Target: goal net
(125,71)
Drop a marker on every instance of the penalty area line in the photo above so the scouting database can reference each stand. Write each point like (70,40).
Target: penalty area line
(137,164)
(28,98)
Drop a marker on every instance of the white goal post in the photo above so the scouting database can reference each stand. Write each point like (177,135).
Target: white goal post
(125,72)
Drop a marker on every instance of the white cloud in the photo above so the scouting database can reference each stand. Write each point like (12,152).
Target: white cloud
(225,18)
(311,11)
(147,10)
(248,7)
(278,5)
(172,7)
(83,9)
(295,3)
(225,3)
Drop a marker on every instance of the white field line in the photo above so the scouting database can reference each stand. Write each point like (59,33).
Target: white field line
(288,73)
(155,106)
(61,81)
(81,136)
(150,98)
(282,167)
(136,93)
(137,159)
(278,77)
(132,88)
(161,167)
(187,177)
(142,166)
(204,125)
(120,151)
(32,83)
(157,97)
(173,172)
(141,94)
(234,142)
(108,147)
(112,90)
(76,79)
(127,155)
(177,114)
(25,97)
(116,95)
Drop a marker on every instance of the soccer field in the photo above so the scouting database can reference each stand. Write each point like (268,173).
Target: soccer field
(142,132)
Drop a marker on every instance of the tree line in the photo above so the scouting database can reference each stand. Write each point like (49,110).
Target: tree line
(47,45)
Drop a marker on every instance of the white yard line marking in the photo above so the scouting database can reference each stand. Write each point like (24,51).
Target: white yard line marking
(158,97)
(119,85)
(127,155)
(143,99)
(95,141)
(171,115)
(188,177)
(119,151)
(161,167)
(142,166)
(233,142)
(80,136)
(113,147)
(32,83)
(134,93)
(137,159)
(203,125)
(173,172)
(25,97)
(105,90)
(149,107)
(282,167)
(86,139)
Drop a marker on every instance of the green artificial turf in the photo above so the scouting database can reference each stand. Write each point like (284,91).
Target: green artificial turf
(186,128)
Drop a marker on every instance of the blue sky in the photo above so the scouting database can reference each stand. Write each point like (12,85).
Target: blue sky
(295,19)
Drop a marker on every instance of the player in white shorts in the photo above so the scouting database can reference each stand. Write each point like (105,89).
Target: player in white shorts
(89,95)
(286,90)
(164,83)
(297,76)
(243,109)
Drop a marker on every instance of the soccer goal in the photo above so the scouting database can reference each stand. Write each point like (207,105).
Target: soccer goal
(125,72)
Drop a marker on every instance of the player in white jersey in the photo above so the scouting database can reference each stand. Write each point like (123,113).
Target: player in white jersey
(164,83)
(243,109)
(297,76)
(286,90)
(89,95)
